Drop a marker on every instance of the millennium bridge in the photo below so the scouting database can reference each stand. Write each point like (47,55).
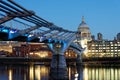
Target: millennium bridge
(28,27)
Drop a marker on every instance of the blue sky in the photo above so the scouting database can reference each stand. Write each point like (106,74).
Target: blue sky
(101,15)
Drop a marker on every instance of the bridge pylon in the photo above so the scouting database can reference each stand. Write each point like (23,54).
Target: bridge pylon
(58,64)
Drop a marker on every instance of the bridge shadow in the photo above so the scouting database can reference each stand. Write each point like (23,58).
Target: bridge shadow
(79,72)
(62,74)
(58,74)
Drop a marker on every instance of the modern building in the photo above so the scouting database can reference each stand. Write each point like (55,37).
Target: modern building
(103,48)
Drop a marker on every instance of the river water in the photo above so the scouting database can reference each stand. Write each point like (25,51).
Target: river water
(42,72)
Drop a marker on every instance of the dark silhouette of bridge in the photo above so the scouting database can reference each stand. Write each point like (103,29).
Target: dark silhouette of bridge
(38,30)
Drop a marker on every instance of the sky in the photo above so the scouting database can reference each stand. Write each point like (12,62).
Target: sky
(101,15)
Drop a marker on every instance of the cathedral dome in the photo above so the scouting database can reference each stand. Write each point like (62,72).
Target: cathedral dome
(84,31)
(83,25)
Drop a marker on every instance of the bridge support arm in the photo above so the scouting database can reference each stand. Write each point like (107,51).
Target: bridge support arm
(5,18)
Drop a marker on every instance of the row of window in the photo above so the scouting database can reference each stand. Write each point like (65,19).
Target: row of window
(106,45)
(104,51)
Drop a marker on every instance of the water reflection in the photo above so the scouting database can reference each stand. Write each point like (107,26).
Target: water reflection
(71,72)
(38,72)
(102,73)
(10,74)
(42,72)
(24,72)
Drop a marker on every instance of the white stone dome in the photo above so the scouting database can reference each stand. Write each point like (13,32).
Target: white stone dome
(83,26)
(84,31)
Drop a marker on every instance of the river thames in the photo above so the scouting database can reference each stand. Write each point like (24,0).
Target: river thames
(42,72)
